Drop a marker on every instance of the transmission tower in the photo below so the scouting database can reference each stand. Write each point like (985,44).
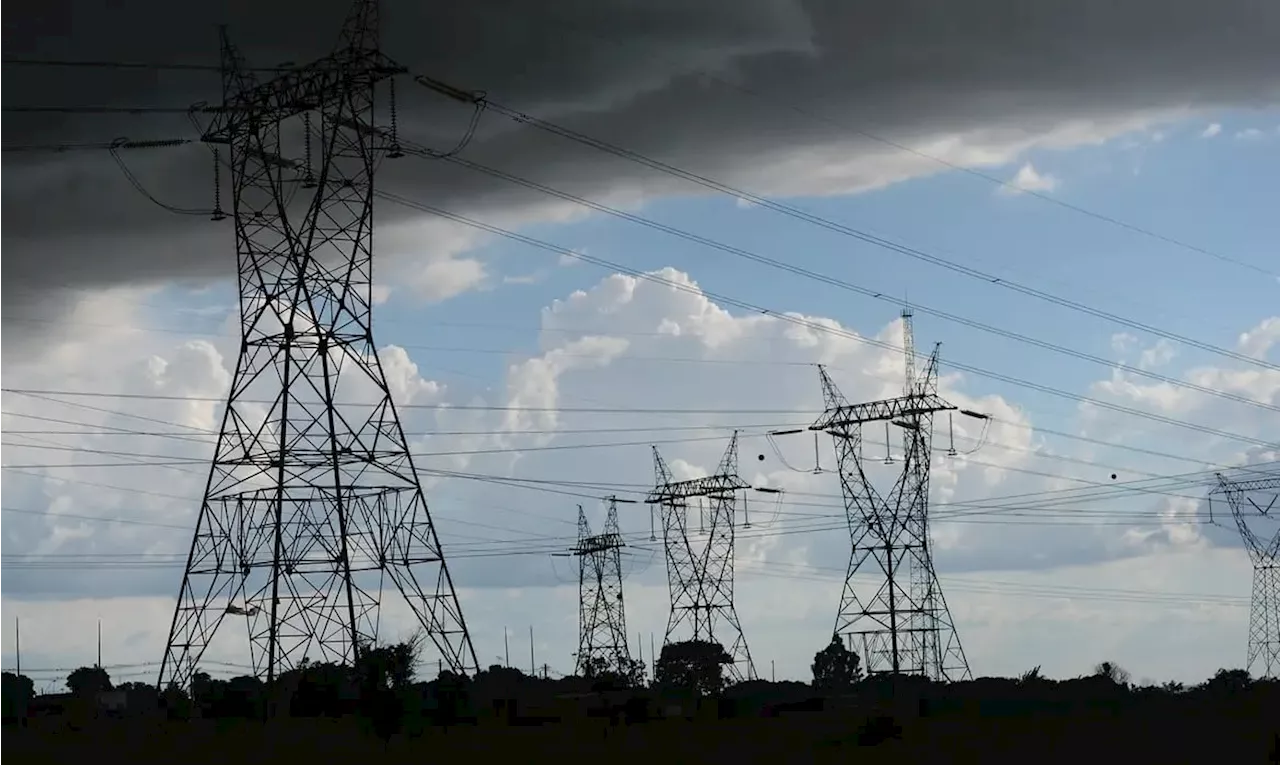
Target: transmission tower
(602,623)
(1264,553)
(312,501)
(905,626)
(701,579)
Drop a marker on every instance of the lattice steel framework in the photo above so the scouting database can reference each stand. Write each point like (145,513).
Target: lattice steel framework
(905,626)
(1264,552)
(700,577)
(312,501)
(602,622)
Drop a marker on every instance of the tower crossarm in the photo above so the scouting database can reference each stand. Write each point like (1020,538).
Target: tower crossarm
(599,543)
(842,418)
(296,91)
(1242,487)
(716,486)
(1263,551)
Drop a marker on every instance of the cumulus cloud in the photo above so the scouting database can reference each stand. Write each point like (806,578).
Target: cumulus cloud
(1212,130)
(1029,179)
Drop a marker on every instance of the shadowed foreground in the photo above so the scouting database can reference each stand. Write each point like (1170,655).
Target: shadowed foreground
(377,712)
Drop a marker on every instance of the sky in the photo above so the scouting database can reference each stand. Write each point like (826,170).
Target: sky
(1076,201)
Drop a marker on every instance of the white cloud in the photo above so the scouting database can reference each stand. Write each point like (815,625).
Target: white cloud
(1029,179)
(1259,340)
(1157,355)
(1249,134)
(442,279)
(566,259)
(532,278)
(1212,130)
(1006,564)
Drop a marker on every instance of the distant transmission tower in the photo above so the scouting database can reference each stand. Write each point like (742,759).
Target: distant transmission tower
(602,623)
(1264,553)
(701,580)
(905,626)
(312,500)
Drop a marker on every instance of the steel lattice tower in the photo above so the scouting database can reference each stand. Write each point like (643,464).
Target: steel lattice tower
(905,627)
(312,501)
(602,622)
(701,580)
(1264,553)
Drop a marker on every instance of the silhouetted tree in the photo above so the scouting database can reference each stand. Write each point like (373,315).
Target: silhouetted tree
(1113,672)
(393,666)
(604,676)
(17,692)
(836,668)
(692,665)
(1031,676)
(450,695)
(1228,681)
(175,702)
(88,681)
(319,689)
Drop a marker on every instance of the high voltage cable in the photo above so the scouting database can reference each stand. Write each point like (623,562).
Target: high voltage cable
(805,323)
(911,252)
(1007,423)
(569,24)
(969,507)
(1110,219)
(155,460)
(1106,487)
(1170,380)
(410,148)
(105,64)
(863,236)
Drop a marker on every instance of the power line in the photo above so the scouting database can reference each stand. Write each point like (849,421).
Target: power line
(840,283)
(868,238)
(570,24)
(792,319)
(105,64)
(1106,488)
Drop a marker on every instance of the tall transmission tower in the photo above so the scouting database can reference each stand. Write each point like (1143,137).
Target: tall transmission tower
(1264,553)
(602,623)
(904,627)
(312,501)
(701,578)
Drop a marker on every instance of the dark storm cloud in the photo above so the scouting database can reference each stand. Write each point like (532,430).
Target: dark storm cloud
(631,73)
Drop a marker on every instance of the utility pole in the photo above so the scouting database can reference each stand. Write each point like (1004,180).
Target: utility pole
(533,666)
(17,641)
(773,672)
(905,626)
(506,649)
(602,621)
(313,503)
(701,580)
(1252,504)
(99,664)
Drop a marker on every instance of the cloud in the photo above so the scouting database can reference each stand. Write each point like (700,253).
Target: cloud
(1212,130)
(1029,179)
(1260,339)
(669,79)
(1249,134)
(621,365)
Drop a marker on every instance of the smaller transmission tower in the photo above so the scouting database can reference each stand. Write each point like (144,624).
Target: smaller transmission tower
(905,626)
(602,623)
(701,580)
(1246,499)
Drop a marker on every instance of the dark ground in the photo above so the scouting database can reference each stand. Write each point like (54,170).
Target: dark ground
(1203,735)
